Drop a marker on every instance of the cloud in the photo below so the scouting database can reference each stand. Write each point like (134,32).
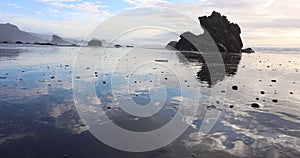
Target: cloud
(71,24)
(146,3)
(14,5)
(78,5)
(274,20)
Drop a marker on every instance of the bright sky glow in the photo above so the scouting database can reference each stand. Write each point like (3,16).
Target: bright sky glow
(263,22)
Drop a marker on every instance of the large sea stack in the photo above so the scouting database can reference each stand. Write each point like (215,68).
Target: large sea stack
(226,35)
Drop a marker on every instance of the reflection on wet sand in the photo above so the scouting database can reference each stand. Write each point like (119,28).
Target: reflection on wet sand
(230,62)
(38,117)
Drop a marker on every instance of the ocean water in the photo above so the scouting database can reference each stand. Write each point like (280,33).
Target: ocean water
(38,116)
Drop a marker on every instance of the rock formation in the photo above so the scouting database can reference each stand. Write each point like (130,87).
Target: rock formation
(226,36)
(58,40)
(11,34)
(248,50)
(95,42)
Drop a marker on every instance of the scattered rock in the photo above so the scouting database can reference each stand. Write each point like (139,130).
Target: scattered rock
(19,42)
(118,46)
(235,87)
(255,105)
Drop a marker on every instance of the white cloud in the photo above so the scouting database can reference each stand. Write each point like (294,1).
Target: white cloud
(146,3)
(74,24)
(14,5)
(270,22)
(78,5)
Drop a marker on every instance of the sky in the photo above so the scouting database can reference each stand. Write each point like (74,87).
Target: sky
(273,23)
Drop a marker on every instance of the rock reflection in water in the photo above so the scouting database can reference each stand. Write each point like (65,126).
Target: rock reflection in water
(231,62)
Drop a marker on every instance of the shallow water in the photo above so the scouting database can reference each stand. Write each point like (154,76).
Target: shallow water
(38,117)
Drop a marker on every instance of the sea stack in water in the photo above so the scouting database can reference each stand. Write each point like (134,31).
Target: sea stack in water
(58,40)
(95,42)
(225,34)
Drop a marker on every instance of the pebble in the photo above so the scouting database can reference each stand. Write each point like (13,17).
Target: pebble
(255,105)
(235,87)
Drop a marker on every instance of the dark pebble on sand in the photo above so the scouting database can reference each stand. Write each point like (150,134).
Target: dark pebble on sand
(262,92)
(166,78)
(104,82)
(235,87)
(230,106)
(291,93)
(257,98)
(108,107)
(275,101)
(52,77)
(255,105)
(273,80)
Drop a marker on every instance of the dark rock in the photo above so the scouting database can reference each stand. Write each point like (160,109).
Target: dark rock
(248,50)
(171,45)
(230,106)
(235,87)
(118,46)
(225,34)
(262,92)
(58,40)
(275,100)
(273,80)
(19,42)
(95,42)
(255,105)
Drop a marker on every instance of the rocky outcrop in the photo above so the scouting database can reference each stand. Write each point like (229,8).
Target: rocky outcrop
(171,45)
(11,34)
(58,40)
(95,42)
(226,36)
(248,50)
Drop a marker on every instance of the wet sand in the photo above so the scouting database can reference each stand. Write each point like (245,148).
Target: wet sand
(260,112)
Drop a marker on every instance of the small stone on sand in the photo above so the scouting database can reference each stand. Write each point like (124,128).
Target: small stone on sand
(255,105)
(235,87)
